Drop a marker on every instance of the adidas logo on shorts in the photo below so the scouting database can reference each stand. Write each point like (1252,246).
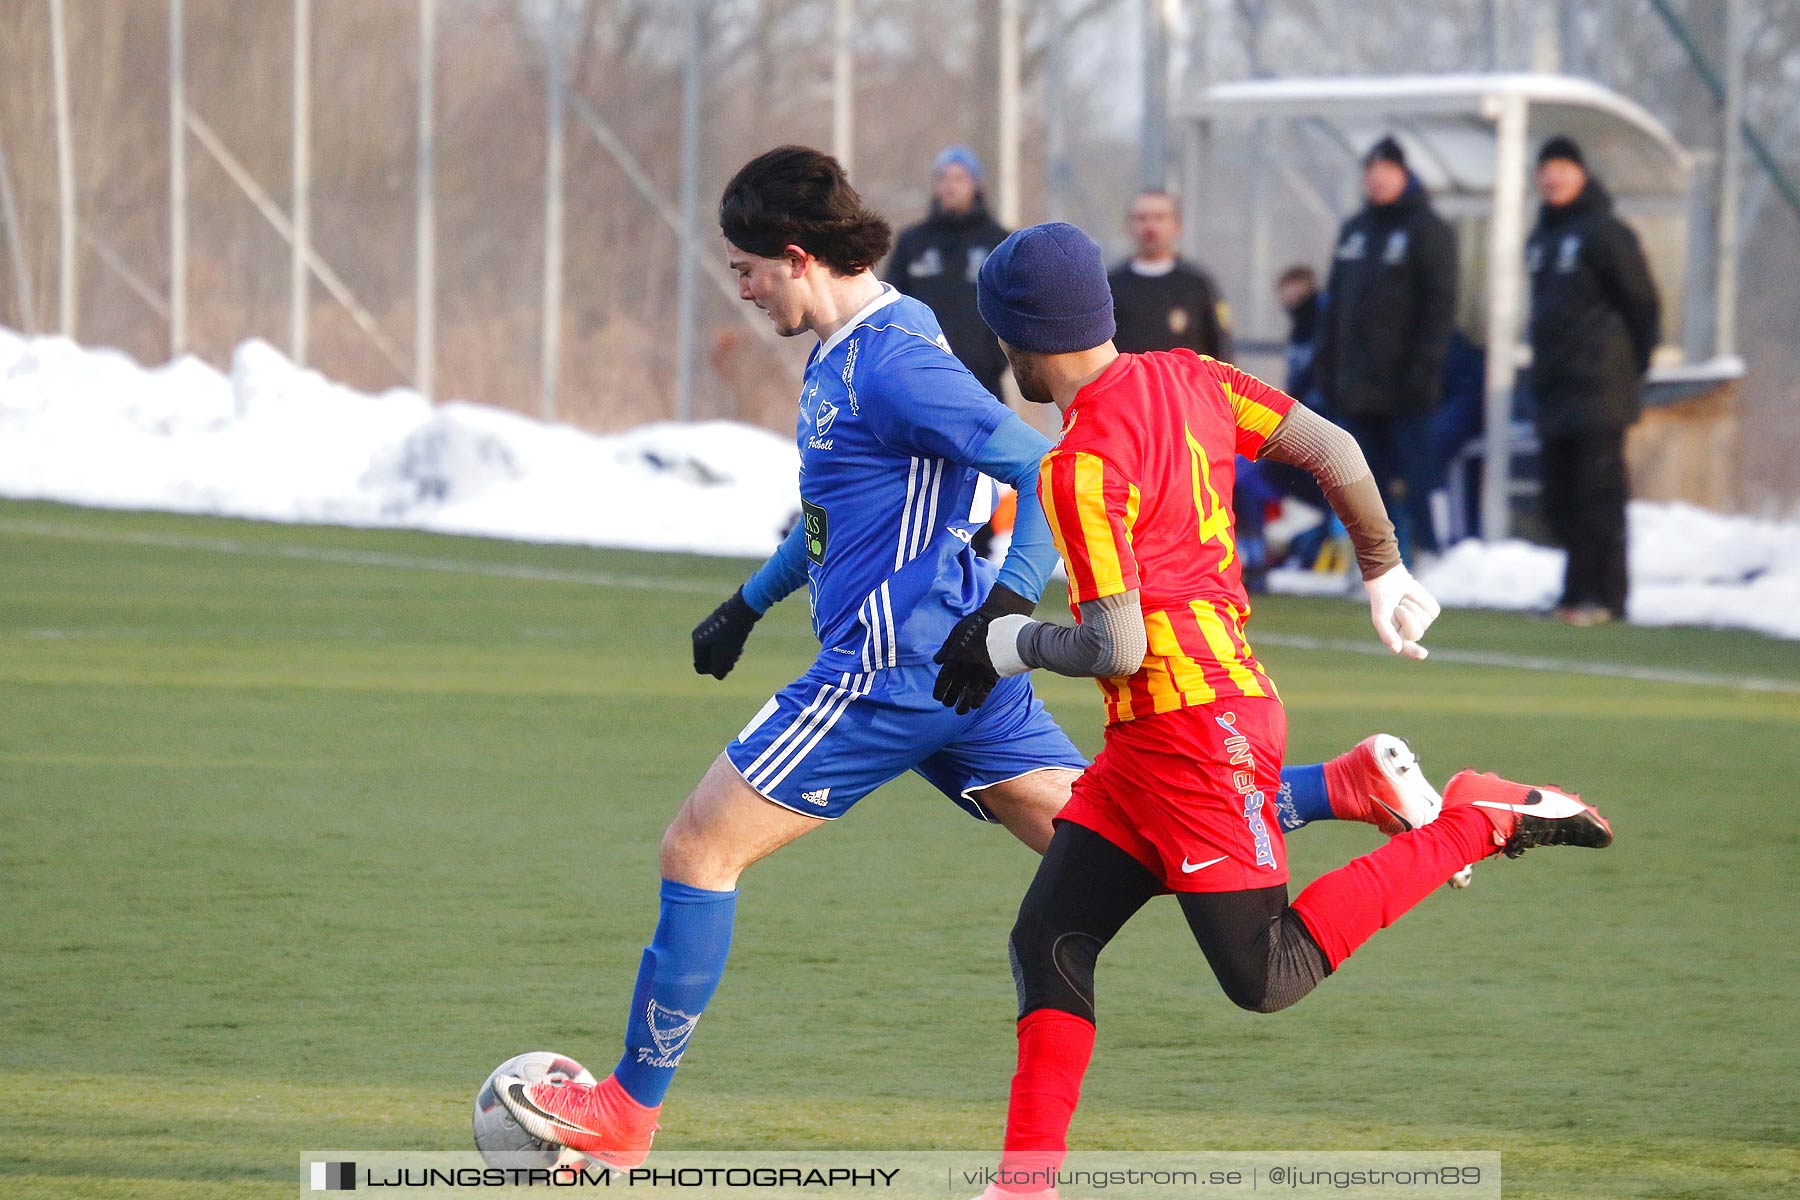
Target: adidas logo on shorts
(820,797)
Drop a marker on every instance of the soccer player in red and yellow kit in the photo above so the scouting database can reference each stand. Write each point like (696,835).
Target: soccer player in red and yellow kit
(1180,799)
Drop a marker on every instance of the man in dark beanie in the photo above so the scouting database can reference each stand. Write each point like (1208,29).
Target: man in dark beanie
(1185,796)
(1594,322)
(1389,307)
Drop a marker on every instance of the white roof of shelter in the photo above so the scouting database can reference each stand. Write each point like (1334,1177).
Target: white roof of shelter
(1445,122)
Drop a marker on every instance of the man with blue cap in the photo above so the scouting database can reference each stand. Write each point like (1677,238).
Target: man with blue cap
(937,260)
(1184,796)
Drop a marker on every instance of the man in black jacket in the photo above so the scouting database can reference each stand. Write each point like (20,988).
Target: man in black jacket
(1160,300)
(1390,304)
(938,260)
(1594,322)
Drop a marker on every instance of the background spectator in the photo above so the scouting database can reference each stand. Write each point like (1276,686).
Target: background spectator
(1594,323)
(938,261)
(1389,307)
(1160,300)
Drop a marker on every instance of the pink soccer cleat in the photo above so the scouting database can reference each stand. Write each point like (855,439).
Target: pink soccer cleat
(599,1119)
(1379,782)
(1526,817)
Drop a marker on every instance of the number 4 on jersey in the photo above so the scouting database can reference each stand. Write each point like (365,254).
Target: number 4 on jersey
(1215,518)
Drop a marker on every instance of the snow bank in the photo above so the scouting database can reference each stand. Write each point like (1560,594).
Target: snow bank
(277,443)
(1688,567)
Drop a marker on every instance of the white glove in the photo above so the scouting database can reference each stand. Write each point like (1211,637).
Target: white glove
(1402,611)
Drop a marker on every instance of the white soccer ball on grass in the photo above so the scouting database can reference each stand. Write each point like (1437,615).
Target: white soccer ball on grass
(503,1142)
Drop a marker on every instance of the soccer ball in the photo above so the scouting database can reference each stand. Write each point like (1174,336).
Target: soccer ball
(503,1142)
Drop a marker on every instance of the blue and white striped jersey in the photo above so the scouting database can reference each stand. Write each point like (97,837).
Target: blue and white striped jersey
(890,424)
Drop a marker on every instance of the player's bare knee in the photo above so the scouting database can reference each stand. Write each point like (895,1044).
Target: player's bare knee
(692,852)
(683,852)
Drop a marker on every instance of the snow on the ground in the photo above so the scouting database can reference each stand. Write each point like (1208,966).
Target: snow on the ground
(277,443)
(274,442)
(1688,567)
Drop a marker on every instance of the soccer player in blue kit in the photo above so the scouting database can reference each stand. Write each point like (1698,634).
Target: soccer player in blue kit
(894,436)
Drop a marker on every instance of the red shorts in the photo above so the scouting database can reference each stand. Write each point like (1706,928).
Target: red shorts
(1191,795)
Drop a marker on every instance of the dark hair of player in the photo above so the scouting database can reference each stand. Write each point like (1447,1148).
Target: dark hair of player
(797,196)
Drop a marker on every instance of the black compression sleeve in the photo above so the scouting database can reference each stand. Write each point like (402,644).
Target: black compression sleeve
(1083,893)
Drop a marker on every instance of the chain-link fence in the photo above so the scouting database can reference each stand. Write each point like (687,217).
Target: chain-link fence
(157,190)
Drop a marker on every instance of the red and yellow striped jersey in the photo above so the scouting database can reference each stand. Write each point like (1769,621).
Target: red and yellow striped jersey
(1138,495)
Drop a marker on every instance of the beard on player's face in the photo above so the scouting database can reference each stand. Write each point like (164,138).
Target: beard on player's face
(1027,376)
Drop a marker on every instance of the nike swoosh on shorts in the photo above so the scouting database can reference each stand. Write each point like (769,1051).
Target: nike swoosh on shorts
(1188,868)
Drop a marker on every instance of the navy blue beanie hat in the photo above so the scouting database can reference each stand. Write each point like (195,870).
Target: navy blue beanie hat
(1044,290)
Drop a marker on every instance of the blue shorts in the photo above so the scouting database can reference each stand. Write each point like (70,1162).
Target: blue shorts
(831,737)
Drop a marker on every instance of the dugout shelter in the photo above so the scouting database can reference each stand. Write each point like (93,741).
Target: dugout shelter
(1471,139)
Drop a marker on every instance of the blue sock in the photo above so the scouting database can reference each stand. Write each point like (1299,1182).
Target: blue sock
(1302,797)
(680,970)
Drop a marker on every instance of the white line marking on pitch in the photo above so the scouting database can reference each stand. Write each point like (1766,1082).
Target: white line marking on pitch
(360,558)
(375,558)
(1527,662)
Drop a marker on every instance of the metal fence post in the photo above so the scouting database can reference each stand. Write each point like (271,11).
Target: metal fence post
(65,171)
(555,103)
(177,186)
(425,215)
(1057,173)
(1506,266)
(686,293)
(1009,113)
(15,248)
(302,181)
(1154,138)
(843,86)
(1731,156)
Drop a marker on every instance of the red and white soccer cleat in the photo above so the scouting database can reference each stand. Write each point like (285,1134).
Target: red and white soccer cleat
(1379,781)
(1525,817)
(599,1119)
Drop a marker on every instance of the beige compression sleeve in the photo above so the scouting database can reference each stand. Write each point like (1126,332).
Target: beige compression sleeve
(1306,440)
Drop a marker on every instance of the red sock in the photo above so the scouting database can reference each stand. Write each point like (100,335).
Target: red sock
(1054,1048)
(1344,908)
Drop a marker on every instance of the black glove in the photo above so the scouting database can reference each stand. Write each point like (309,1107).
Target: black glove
(720,638)
(968,673)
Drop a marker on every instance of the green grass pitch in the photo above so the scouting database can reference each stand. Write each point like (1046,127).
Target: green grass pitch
(302,830)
